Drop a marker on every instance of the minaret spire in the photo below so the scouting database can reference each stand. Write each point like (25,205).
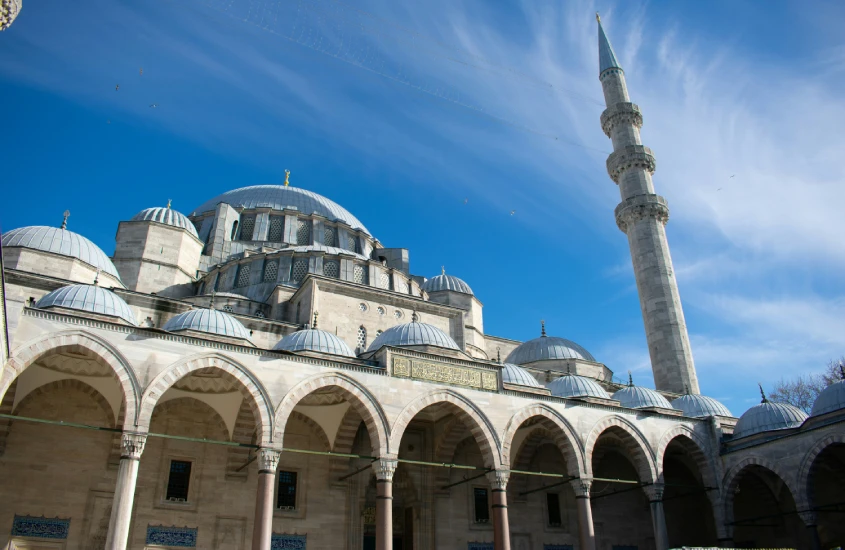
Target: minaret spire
(642,216)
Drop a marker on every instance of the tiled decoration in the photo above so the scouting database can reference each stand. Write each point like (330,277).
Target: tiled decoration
(287,542)
(40,527)
(181,537)
(479,546)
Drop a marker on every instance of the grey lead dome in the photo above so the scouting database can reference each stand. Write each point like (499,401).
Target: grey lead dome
(167,216)
(768,416)
(514,374)
(62,242)
(315,340)
(413,334)
(637,397)
(446,282)
(699,406)
(832,398)
(572,385)
(211,321)
(548,348)
(88,298)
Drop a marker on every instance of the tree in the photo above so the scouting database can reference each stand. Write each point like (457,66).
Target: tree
(803,390)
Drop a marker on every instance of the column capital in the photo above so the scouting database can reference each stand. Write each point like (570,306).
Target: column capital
(499,479)
(581,486)
(809,518)
(268,459)
(132,445)
(654,492)
(384,468)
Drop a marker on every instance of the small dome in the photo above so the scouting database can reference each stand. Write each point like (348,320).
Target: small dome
(699,406)
(768,416)
(413,334)
(637,397)
(832,398)
(167,216)
(446,282)
(315,340)
(514,374)
(212,321)
(60,241)
(572,385)
(89,298)
(548,348)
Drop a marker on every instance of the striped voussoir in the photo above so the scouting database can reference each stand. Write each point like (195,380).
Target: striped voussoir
(561,432)
(639,451)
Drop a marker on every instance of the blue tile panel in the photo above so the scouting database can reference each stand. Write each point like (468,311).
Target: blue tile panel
(287,542)
(182,537)
(479,546)
(557,547)
(43,528)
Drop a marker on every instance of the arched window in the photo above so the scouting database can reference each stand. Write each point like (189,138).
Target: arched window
(362,337)
(234,231)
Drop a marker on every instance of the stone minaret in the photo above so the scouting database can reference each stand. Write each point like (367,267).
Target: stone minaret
(642,215)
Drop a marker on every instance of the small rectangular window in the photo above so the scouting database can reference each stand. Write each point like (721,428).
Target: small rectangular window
(482,510)
(178,481)
(286,498)
(553,506)
(247,227)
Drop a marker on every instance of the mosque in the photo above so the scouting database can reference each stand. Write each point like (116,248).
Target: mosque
(264,373)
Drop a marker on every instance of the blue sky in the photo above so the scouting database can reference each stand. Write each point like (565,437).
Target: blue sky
(432,121)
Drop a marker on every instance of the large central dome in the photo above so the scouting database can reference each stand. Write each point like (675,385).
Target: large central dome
(279,197)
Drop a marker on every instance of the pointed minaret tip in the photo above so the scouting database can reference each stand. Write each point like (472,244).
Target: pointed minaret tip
(598,18)
(607,57)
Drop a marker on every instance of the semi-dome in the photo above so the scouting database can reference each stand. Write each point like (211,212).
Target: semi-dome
(167,216)
(572,385)
(60,241)
(637,397)
(90,298)
(547,348)
(279,197)
(314,339)
(832,398)
(768,416)
(413,334)
(446,282)
(212,321)
(699,406)
(514,374)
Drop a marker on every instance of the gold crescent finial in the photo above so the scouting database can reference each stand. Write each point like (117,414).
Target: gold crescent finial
(598,19)
(64,221)
(169,201)
(443,270)
(287,178)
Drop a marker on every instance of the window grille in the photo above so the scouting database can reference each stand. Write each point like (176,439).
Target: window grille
(260,314)
(247,227)
(303,232)
(277,229)
(331,269)
(378,333)
(352,243)
(228,309)
(362,337)
(482,511)
(286,497)
(360,275)
(384,281)
(397,314)
(243,276)
(329,236)
(363,307)
(401,286)
(300,268)
(202,289)
(271,271)
(198,225)
(553,508)
(380,310)
(178,481)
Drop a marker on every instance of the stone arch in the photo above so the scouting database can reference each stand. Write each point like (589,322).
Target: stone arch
(804,496)
(560,431)
(636,444)
(255,393)
(481,428)
(454,432)
(358,396)
(80,341)
(70,384)
(344,440)
(217,423)
(308,421)
(696,447)
(733,475)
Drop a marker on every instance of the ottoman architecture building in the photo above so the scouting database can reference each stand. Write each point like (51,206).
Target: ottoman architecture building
(265,373)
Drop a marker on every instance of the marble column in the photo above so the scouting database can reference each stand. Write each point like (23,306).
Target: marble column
(586,532)
(658,519)
(132,445)
(384,469)
(262,533)
(501,527)
(811,521)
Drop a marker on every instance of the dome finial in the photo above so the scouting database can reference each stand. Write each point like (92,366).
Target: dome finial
(499,355)
(64,221)
(169,201)
(542,327)
(211,304)
(97,277)
(759,385)
(569,369)
(686,389)
(630,380)
(443,270)
(287,178)
(414,317)
(314,325)
(598,18)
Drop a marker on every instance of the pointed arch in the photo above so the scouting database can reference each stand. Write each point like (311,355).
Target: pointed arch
(82,342)
(560,430)
(481,428)
(639,450)
(353,391)
(70,384)
(697,448)
(805,497)
(734,474)
(217,423)
(318,430)
(255,393)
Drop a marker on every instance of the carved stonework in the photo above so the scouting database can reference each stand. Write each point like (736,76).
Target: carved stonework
(384,468)
(445,374)
(630,157)
(654,492)
(621,113)
(640,207)
(499,479)
(809,518)
(268,459)
(132,445)
(581,487)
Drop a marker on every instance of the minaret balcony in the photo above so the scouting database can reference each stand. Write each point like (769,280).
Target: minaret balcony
(641,207)
(630,157)
(621,113)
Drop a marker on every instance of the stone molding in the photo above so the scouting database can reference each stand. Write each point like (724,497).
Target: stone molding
(268,459)
(654,492)
(384,468)
(640,207)
(636,445)
(581,487)
(499,479)
(621,113)
(132,445)
(630,157)
(809,518)
(561,431)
